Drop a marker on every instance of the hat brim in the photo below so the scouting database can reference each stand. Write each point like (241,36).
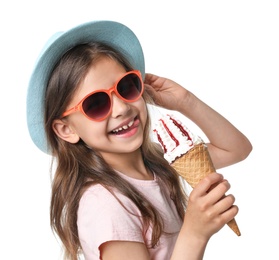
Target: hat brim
(111,33)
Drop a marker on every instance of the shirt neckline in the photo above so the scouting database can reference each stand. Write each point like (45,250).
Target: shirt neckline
(138,181)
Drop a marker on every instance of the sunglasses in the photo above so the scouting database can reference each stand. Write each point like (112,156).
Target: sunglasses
(97,105)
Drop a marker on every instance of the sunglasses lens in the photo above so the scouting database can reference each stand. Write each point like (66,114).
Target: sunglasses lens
(130,87)
(97,105)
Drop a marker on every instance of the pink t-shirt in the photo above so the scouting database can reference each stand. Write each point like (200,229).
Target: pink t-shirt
(101,218)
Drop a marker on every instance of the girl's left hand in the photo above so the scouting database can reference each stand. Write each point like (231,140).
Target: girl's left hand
(165,92)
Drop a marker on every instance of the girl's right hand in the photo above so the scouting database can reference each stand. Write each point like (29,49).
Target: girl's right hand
(209,209)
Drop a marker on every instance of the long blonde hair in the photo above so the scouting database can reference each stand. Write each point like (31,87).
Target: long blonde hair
(78,167)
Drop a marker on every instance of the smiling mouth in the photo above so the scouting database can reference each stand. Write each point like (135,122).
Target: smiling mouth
(123,129)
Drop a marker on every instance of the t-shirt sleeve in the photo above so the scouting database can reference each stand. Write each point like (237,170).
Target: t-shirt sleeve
(101,218)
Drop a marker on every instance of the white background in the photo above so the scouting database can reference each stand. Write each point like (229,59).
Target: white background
(226,52)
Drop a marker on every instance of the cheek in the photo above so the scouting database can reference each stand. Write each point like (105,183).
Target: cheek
(143,110)
(89,130)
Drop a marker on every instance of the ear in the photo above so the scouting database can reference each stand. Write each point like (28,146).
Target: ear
(64,131)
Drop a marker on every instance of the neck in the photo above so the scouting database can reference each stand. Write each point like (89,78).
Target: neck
(130,164)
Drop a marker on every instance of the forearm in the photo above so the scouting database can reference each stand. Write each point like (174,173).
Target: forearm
(223,136)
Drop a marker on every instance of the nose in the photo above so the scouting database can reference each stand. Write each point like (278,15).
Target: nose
(119,106)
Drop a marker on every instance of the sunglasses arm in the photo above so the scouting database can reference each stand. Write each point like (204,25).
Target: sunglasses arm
(70,111)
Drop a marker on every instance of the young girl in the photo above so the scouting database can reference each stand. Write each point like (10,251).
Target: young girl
(114,196)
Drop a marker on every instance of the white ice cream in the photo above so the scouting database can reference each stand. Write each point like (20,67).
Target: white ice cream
(175,138)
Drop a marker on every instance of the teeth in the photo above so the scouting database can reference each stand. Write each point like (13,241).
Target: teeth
(124,127)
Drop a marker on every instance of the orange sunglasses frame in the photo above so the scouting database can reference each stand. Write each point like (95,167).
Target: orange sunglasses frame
(78,107)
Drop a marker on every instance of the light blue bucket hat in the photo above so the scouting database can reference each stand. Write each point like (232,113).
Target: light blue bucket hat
(114,34)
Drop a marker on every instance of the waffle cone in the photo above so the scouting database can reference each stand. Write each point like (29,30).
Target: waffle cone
(193,166)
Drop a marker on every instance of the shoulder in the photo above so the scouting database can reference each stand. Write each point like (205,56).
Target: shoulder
(97,197)
(99,207)
(101,218)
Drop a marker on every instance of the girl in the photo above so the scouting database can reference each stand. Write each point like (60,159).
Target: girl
(114,196)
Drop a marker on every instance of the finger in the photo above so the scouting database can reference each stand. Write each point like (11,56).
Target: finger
(205,184)
(149,78)
(225,203)
(229,214)
(153,95)
(218,190)
(149,88)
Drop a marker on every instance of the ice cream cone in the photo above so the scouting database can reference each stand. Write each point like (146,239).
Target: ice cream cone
(186,152)
(193,166)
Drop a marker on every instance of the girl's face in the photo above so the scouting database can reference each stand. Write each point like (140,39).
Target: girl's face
(122,131)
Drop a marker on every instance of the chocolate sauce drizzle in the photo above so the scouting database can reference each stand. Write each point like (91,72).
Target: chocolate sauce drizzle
(179,126)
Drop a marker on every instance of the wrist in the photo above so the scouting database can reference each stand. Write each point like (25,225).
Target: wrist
(189,245)
(188,104)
